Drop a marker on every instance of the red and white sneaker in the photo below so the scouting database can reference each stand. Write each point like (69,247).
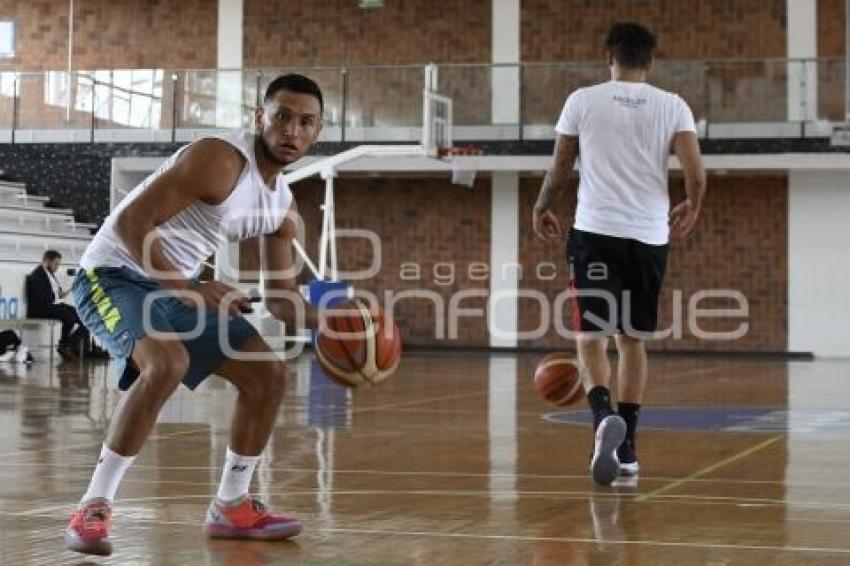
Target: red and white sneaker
(88,531)
(248,519)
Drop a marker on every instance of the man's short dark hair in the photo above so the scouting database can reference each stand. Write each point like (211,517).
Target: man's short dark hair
(294,83)
(50,255)
(631,44)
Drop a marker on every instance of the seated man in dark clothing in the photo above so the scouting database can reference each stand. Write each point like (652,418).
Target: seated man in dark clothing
(44,300)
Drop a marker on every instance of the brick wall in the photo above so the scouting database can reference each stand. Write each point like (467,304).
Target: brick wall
(41,34)
(108,34)
(145,34)
(574,30)
(687,29)
(113,34)
(831,86)
(337,32)
(424,220)
(741,244)
(141,33)
(831,23)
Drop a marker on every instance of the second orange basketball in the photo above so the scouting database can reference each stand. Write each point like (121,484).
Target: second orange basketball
(558,380)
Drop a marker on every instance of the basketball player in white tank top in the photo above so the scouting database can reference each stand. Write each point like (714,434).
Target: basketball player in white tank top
(184,210)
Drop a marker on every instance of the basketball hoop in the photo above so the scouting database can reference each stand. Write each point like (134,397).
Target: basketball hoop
(437,125)
(464,163)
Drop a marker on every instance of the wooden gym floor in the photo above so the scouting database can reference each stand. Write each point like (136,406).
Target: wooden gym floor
(453,461)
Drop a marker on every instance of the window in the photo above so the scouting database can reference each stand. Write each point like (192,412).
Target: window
(56,88)
(7,39)
(126,97)
(7,84)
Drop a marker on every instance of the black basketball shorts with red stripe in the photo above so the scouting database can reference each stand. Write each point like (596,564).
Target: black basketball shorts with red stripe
(616,283)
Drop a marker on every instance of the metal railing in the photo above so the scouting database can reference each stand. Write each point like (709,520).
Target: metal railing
(384,102)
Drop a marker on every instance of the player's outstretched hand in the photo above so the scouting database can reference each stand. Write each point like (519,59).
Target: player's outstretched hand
(547,227)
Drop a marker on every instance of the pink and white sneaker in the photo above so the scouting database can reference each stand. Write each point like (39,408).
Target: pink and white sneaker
(248,518)
(88,531)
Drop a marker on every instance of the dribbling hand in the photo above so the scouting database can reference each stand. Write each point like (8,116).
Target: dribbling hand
(547,227)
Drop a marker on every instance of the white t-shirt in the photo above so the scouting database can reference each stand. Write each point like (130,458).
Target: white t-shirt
(625,131)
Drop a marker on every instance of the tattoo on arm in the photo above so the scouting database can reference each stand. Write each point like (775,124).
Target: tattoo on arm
(565,154)
(547,191)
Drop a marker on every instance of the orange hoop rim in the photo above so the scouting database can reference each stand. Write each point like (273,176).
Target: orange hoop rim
(458,151)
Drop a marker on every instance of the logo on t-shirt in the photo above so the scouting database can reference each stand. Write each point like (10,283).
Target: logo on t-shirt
(629,102)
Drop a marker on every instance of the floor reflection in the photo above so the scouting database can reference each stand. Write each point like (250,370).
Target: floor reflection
(452,462)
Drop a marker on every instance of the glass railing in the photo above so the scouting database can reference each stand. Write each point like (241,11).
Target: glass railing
(380,99)
(384,103)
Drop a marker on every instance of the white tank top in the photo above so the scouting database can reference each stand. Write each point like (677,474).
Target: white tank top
(196,232)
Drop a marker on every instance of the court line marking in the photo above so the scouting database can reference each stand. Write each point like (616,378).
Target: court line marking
(518,538)
(522,538)
(716,466)
(566,495)
(703,371)
(414,403)
(642,478)
(624,492)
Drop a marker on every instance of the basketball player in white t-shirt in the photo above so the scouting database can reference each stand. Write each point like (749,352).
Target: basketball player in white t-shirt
(621,132)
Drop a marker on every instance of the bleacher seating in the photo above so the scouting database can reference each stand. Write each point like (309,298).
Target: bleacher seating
(27,229)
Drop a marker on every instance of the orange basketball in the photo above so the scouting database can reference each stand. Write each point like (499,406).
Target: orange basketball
(557,379)
(357,344)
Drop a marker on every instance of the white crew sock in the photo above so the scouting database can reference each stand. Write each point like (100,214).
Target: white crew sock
(107,475)
(236,478)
